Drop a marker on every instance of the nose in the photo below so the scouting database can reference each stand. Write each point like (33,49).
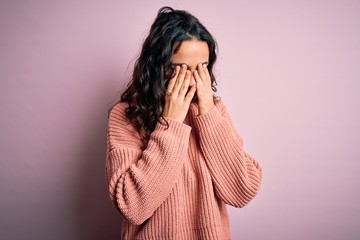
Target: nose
(192,80)
(192,69)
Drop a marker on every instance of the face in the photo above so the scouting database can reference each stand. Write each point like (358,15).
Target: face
(191,53)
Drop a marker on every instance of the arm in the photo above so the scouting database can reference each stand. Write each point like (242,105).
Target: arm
(236,175)
(140,180)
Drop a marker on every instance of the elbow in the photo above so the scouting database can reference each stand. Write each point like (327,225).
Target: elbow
(244,193)
(252,190)
(134,214)
(134,219)
(250,195)
(243,200)
(252,184)
(132,208)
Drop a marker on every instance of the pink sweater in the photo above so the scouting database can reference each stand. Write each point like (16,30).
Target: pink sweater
(178,187)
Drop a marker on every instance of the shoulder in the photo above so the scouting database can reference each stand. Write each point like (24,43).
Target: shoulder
(118,118)
(120,129)
(117,112)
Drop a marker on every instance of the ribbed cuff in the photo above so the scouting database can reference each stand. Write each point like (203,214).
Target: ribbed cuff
(208,120)
(175,131)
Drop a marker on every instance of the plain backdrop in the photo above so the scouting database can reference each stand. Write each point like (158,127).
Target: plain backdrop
(288,71)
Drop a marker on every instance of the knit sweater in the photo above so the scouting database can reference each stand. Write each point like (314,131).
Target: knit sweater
(178,186)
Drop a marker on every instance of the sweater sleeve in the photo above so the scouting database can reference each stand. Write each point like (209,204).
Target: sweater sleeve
(236,175)
(139,179)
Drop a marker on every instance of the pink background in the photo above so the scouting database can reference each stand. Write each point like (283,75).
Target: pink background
(288,72)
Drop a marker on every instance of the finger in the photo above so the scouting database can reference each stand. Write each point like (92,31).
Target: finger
(179,79)
(189,96)
(207,73)
(198,79)
(201,71)
(173,80)
(185,84)
(192,80)
(199,82)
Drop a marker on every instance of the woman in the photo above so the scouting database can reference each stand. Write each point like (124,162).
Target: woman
(174,158)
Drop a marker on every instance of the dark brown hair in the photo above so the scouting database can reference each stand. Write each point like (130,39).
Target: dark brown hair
(145,92)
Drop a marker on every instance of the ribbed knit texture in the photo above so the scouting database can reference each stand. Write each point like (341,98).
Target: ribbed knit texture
(179,185)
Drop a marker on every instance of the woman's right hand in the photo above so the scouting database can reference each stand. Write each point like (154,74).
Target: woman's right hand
(177,97)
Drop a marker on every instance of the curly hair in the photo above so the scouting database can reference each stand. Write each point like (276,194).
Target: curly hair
(145,92)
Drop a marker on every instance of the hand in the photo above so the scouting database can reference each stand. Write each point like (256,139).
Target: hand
(204,91)
(177,98)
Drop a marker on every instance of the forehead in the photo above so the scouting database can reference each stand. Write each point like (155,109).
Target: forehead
(191,52)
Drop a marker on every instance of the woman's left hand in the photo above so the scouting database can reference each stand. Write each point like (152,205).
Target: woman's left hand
(204,91)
